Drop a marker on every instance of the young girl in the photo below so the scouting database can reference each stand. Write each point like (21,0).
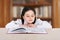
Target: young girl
(29,21)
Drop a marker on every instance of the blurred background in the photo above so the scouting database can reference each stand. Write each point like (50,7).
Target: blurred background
(48,10)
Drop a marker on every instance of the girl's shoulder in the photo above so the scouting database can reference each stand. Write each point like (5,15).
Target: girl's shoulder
(40,21)
(13,24)
(18,21)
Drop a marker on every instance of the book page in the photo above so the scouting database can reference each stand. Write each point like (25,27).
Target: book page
(25,30)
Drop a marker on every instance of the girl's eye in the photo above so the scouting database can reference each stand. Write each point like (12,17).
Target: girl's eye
(27,16)
(32,16)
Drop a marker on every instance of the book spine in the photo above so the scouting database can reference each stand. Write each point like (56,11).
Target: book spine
(37,12)
(15,11)
(41,12)
(50,11)
(45,11)
(19,11)
(19,1)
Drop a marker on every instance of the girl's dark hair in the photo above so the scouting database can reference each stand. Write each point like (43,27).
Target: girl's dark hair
(25,10)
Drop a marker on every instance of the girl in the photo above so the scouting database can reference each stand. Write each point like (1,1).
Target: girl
(29,21)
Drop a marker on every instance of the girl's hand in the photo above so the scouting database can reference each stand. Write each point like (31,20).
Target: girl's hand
(28,25)
(31,25)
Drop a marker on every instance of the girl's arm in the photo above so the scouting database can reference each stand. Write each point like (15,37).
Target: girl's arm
(13,24)
(43,24)
(46,25)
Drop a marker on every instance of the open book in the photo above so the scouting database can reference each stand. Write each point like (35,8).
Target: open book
(26,30)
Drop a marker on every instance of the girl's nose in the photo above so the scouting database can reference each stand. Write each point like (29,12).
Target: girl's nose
(30,17)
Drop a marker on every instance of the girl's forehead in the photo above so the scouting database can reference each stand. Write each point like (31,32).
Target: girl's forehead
(29,12)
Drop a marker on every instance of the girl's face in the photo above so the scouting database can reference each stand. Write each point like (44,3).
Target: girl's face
(29,16)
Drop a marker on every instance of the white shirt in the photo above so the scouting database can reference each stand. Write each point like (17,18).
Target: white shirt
(17,24)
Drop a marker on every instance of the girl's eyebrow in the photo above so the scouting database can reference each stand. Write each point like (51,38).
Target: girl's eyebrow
(27,14)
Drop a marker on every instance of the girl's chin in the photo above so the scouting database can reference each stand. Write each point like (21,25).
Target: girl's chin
(30,23)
